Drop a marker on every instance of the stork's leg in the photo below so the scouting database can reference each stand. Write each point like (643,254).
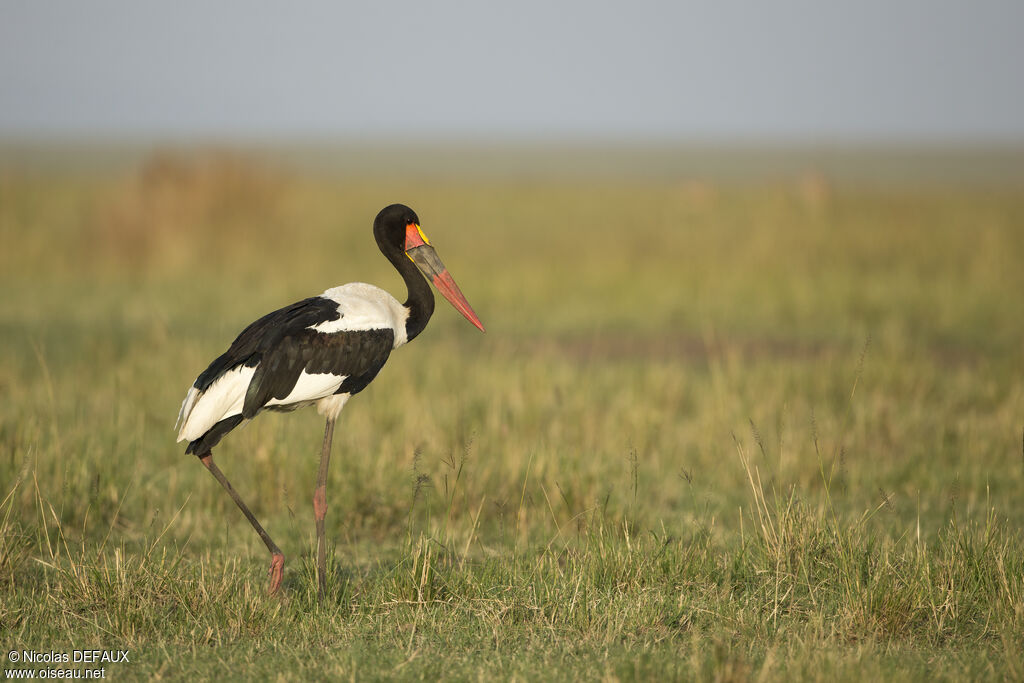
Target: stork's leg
(320,508)
(276,556)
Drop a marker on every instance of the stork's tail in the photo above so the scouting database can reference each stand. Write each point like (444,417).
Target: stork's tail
(186,409)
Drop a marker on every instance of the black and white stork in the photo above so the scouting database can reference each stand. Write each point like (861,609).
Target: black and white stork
(318,351)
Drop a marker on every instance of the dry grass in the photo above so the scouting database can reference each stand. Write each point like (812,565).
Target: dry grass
(673,455)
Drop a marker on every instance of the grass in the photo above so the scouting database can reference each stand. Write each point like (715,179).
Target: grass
(714,431)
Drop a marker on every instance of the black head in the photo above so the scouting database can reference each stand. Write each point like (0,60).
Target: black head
(400,238)
(389,227)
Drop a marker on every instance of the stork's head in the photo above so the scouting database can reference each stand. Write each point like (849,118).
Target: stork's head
(397,229)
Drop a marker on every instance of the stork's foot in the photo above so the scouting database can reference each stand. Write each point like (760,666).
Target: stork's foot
(276,572)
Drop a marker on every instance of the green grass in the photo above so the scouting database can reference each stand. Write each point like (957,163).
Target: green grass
(714,431)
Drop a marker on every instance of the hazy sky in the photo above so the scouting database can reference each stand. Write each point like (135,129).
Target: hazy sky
(788,69)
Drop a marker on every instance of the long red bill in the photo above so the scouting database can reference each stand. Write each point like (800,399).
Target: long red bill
(446,285)
(429,263)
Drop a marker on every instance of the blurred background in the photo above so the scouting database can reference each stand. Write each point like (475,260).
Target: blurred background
(793,227)
(796,74)
(753,374)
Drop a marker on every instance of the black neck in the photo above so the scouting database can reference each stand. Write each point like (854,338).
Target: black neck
(421,300)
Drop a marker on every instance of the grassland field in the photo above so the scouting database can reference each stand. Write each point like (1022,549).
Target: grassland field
(716,430)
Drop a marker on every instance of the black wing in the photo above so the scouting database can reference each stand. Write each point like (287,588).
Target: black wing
(266,333)
(356,355)
(281,345)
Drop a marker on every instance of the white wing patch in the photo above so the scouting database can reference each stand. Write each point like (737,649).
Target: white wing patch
(365,307)
(310,387)
(225,397)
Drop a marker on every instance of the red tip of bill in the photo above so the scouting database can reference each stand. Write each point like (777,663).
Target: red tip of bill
(446,285)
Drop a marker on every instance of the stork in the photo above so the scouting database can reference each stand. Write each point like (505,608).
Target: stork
(319,351)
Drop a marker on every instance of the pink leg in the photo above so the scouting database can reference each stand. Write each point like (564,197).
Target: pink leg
(320,509)
(276,556)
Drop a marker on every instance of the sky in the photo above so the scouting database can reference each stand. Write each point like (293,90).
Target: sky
(786,70)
